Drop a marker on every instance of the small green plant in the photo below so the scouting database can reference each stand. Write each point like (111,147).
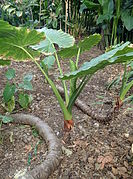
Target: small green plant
(126,82)
(16,92)
(5,119)
(17,43)
(35,132)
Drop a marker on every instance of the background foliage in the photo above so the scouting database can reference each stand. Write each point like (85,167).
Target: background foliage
(112,18)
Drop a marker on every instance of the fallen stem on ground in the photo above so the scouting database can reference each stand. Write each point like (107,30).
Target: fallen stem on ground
(87,109)
(52,161)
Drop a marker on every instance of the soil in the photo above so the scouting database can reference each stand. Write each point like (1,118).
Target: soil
(92,149)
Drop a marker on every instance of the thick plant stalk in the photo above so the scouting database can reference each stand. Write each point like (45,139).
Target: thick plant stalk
(86,109)
(63,82)
(66,14)
(40,12)
(53,158)
(67,115)
(115,22)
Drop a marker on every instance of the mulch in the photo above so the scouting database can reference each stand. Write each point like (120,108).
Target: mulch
(92,149)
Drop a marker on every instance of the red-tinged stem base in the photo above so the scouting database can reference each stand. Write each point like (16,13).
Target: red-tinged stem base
(118,104)
(68,125)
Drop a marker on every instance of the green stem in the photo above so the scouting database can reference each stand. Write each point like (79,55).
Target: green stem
(106,38)
(113,31)
(123,79)
(126,89)
(0,123)
(61,73)
(40,12)
(63,82)
(77,60)
(77,92)
(115,23)
(67,115)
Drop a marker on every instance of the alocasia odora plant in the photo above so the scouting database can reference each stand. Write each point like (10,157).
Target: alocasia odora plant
(18,44)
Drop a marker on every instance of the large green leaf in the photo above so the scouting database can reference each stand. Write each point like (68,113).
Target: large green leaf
(68,52)
(28,77)
(10,73)
(6,119)
(107,6)
(15,42)
(62,39)
(82,8)
(48,61)
(8,92)
(84,45)
(104,17)
(120,54)
(5,62)
(89,42)
(23,100)
(10,105)
(5,26)
(45,47)
(26,85)
(127,20)
(91,5)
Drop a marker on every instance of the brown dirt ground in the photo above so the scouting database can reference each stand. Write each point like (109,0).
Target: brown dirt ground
(94,150)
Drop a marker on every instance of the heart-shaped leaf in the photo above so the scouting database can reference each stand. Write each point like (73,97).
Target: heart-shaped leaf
(28,77)
(26,85)
(11,104)
(15,42)
(6,119)
(9,91)
(84,45)
(10,74)
(48,61)
(62,39)
(23,100)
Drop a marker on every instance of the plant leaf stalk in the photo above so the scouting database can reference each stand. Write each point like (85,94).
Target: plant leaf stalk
(77,60)
(61,73)
(67,115)
(77,92)
(124,79)
(125,85)
(63,82)
(125,90)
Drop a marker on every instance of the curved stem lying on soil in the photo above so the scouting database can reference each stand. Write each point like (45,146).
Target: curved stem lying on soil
(86,109)
(53,158)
